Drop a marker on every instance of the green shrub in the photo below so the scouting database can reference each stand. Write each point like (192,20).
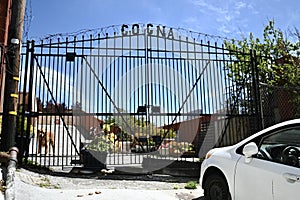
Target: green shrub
(191,185)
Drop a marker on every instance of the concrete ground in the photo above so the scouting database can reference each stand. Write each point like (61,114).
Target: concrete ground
(36,186)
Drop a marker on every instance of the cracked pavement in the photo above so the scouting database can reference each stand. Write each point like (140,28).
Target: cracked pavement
(38,186)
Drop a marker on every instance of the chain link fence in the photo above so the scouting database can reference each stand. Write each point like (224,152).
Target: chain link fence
(279,103)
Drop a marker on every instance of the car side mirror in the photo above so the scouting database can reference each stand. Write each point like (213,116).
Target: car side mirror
(249,151)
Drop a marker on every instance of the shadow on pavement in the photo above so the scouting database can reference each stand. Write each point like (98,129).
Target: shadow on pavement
(98,175)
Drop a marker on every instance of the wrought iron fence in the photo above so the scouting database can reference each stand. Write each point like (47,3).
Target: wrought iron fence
(147,91)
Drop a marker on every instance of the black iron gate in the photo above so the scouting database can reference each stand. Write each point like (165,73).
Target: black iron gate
(132,91)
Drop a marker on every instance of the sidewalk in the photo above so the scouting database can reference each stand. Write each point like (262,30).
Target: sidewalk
(35,186)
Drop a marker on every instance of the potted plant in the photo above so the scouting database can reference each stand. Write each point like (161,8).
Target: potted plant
(94,154)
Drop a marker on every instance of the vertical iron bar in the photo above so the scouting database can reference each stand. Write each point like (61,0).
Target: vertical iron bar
(106,71)
(188,75)
(23,116)
(64,86)
(180,88)
(66,102)
(209,73)
(43,61)
(197,95)
(225,77)
(217,81)
(256,90)
(58,94)
(42,98)
(72,92)
(174,100)
(112,85)
(54,85)
(102,74)
(120,72)
(202,89)
(99,67)
(53,116)
(197,146)
(147,80)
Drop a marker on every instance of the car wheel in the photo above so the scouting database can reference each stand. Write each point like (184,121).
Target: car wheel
(216,188)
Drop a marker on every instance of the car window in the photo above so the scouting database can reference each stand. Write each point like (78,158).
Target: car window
(281,147)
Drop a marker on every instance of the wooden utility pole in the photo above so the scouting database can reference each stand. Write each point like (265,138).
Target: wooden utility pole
(5,16)
(9,119)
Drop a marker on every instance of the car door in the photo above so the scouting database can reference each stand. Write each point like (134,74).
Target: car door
(284,150)
(271,174)
(285,183)
(253,180)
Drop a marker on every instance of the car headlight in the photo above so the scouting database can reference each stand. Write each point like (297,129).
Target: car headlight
(209,153)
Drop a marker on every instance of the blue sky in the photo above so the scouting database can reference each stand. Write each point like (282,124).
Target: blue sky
(226,18)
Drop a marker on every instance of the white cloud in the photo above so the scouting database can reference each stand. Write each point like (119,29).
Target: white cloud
(224,29)
(240,5)
(224,16)
(208,7)
(191,19)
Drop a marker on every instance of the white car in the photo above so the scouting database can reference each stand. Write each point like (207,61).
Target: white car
(265,166)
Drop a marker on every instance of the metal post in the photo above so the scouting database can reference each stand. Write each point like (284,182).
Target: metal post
(10,177)
(255,76)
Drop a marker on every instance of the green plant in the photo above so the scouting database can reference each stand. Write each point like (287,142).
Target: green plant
(191,185)
(168,133)
(30,163)
(100,143)
(45,183)
(276,58)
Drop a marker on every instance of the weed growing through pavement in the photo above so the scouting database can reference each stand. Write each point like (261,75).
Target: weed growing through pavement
(191,185)
(45,183)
